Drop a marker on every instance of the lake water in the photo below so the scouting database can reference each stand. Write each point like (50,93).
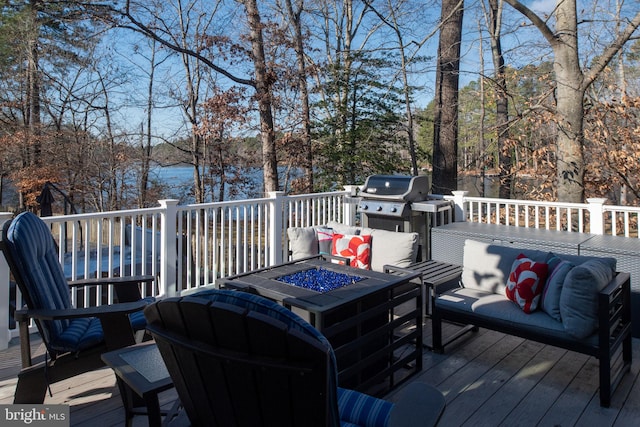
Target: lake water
(179,180)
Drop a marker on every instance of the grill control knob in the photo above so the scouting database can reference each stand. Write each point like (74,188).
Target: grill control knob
(394,209)
(379,208)
(365,207)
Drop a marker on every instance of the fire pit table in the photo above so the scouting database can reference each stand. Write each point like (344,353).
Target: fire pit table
(373,320)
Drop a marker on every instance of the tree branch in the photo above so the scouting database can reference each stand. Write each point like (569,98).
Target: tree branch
(141,28)
(538,22)
(601,62)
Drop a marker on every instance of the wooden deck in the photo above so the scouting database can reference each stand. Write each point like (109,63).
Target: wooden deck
(488,379)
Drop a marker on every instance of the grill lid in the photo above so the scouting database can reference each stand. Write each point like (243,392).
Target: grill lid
(396,187)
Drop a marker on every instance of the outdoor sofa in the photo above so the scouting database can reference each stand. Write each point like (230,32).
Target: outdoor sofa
(582,305)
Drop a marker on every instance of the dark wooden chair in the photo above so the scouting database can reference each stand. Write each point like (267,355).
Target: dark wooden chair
(74,337)
(238,359)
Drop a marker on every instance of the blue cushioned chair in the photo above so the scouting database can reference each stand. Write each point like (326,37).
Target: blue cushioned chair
(74,338)
(240,359)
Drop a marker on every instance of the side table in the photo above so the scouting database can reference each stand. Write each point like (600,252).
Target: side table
(141,374)
(434,274)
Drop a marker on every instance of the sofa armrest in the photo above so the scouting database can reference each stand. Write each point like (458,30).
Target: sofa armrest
(614,310)
(614,334)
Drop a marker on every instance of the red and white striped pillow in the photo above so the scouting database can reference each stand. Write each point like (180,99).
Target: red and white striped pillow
(525,283)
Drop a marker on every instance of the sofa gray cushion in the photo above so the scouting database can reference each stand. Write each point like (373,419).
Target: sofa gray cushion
(341,228)
(303,242)
(393,248)
(579,296)
(550,301)
(487,266)
(496,307)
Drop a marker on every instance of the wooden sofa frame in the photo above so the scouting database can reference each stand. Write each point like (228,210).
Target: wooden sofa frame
(613,348)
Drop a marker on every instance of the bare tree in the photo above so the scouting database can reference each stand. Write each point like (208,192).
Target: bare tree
(571,83)
(263,83)
(445,134)
(131,18)
(493,18)
(295,22)
(393,22)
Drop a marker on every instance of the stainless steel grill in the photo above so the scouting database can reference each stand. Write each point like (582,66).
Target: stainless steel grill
(400,203)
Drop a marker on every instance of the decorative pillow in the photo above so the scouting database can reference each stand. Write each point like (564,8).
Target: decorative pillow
(356,248)
(525,282)
(303,242)
(487,266)
(550,301)
(325,238)
(393,248)
(579,296)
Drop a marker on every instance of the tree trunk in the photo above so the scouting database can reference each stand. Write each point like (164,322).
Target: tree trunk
(445,134)
(298,46)
(145,148)
(263,94)
(569,96)
(502,102)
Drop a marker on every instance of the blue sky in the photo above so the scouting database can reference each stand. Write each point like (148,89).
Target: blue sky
(168,121)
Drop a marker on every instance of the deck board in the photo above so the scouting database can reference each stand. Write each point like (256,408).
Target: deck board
(488,378)
(498,406)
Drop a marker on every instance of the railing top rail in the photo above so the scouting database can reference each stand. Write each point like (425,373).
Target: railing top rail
(319,195)
(222,204)
(103,215)
(260,200)
(528,202)
(618,208)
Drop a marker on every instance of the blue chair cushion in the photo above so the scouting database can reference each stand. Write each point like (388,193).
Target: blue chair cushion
(81,333)
(362,410)
(34,252)
(137,319)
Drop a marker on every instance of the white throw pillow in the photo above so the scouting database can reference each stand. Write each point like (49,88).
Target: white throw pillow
(303,242)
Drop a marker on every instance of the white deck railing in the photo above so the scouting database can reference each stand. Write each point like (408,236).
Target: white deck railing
(190,246)
(592,217)
(183,246)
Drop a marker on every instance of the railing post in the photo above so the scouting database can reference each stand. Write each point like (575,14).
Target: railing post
(5,286)
(168,244)
(460,207)
(275,226)
(596,215)
(350,205)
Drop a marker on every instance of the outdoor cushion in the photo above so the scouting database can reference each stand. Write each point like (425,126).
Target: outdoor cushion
(325,238)
(579,296)
(341,228)
(525,283)
(497,307)
(558,270)
(303,241)
(487,266)
(387,247)
(355,248)
(359,409)
(393,248)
